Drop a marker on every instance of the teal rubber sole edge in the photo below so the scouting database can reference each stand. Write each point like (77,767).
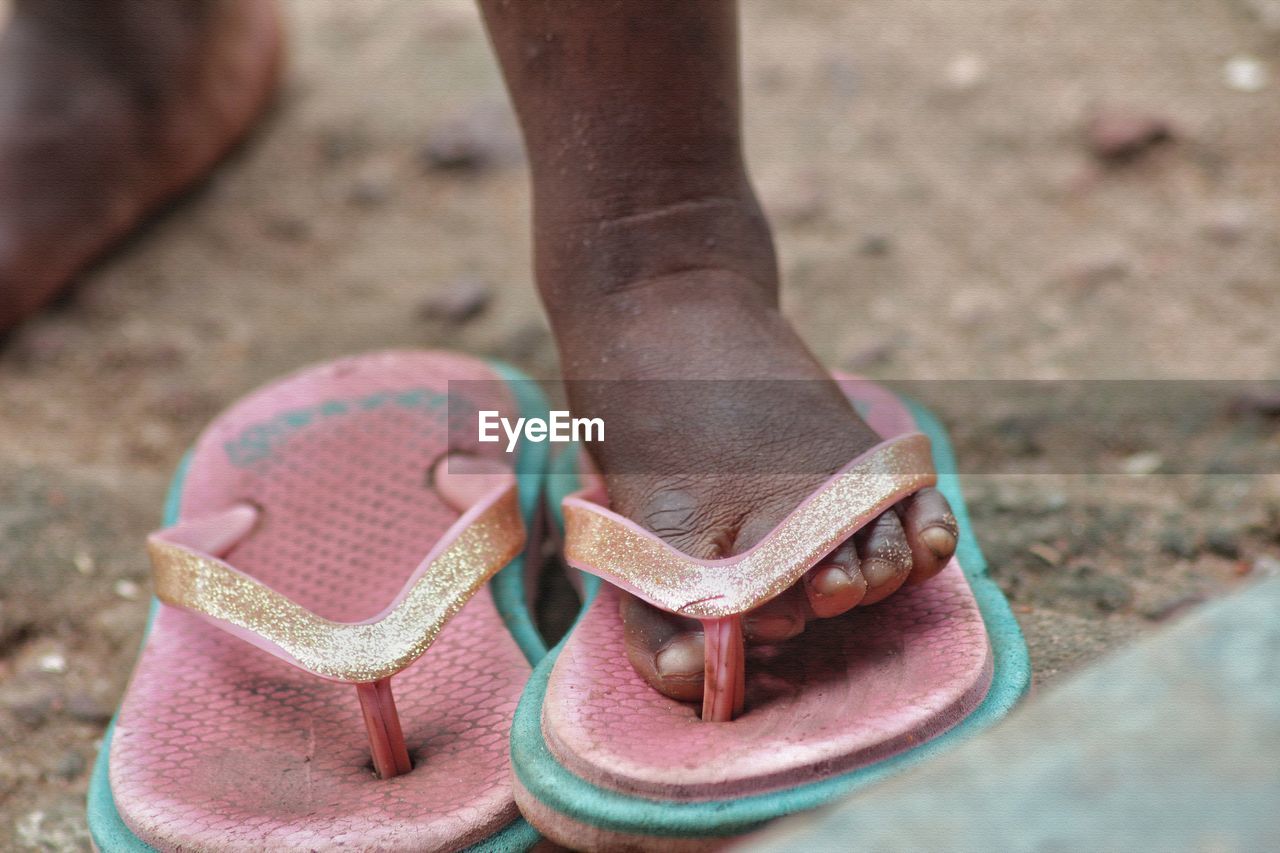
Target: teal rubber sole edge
(108,830)
(559,789)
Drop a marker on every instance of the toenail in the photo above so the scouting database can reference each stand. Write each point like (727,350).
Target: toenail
(939,540)
(831,581)
(878,571)
(678,659)
(771,626)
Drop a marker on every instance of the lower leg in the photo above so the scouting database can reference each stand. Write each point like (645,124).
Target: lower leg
(631,119)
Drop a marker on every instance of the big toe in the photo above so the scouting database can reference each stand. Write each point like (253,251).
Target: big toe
(667,650)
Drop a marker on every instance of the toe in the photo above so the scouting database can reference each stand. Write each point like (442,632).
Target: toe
(667,650)
(931,533)
(886,558)
(777,620)
(836,584)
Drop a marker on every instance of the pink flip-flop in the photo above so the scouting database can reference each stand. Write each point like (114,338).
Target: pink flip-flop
(322,553)
(602,761)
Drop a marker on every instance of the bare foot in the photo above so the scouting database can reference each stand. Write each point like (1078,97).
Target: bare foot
(108,108)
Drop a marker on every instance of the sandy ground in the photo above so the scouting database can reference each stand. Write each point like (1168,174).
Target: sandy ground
(942,213)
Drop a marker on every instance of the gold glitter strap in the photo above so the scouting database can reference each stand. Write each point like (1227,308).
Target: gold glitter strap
(189,575)
(604,543)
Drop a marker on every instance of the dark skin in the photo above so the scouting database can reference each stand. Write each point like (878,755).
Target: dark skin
(654,261)
(652,256)
(109,109)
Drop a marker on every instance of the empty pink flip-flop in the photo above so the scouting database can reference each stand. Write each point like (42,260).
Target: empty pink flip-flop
(603,761)
(328,667)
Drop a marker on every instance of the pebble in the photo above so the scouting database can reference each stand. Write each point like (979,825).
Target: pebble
(875,355)
(1245,73)
(1142,464)
(1262,403)
(527,342)
(1116,136)
(1047,553)
(86,708)
(1162,609)
(287,229)
(1098,270)
(70,765)
(368,192)
(965,72)
(875,245)
(31,703)
(1229,223)
(83,562)
(127,589)
(460,301)
(1267,13)
(1223,542)
(474,142)
(53,663)
(1107,593)
(1178,542)
(1266,566)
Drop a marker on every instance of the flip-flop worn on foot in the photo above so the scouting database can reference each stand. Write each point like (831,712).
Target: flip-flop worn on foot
(603,761)
(320,551)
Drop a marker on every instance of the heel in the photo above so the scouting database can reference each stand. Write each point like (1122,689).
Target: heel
(386,740)
(724,687)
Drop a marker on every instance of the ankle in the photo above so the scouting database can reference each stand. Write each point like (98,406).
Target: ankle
(597,259)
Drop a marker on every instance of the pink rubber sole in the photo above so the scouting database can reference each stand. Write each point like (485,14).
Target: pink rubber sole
(221,746)
(848,692)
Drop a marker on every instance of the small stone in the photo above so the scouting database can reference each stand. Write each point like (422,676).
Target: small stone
(87,708)
(473,142)
(1046,553)
(83,562)
(120,622)
(875,355)
(1165,608)
(1245,74)
(1267,12)
(70,765)
(1223,542)
(1099,269)
(30,702)
(1229,223)
(1142,464)
(460,301)
(1266,566)
(52,663)
(288,229)
(338,144)
(59,825)
(127,589)
(527,342)
(1106,592)
(1265,403)
(965,72)
(1118,137)
(875,245)
(1178,542)
(368,192)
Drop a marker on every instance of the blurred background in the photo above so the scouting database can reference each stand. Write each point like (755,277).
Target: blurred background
(987,189)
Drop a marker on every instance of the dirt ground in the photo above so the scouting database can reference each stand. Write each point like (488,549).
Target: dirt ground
(988,189)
